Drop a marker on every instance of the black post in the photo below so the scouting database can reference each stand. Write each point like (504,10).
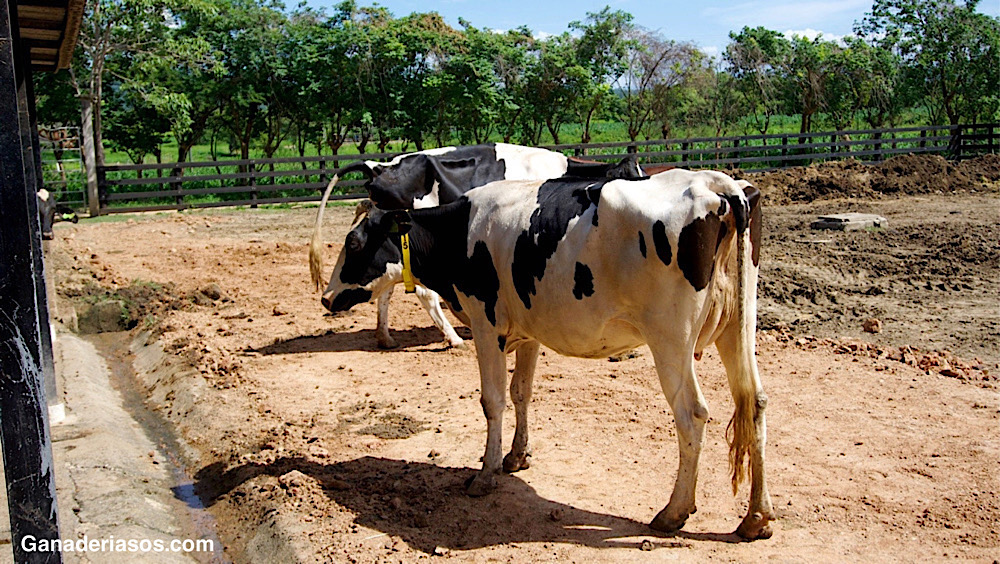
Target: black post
(955,145)
(24,431)
(253,184)
(33,174)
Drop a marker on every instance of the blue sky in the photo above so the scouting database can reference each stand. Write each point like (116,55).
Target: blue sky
(707,23)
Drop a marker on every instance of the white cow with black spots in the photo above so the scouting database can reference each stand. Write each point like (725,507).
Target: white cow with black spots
(591,269)
(440,176)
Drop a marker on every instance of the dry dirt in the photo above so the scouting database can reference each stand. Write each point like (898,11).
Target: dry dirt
(881,447)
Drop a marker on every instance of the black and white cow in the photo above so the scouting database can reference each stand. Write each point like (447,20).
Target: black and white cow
(591,268)
(50,211)
(440,176)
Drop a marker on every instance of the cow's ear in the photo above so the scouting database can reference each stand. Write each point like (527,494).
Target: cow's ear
(363,208)
(397,222)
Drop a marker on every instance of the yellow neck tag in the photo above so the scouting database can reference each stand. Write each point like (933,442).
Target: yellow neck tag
(407,274)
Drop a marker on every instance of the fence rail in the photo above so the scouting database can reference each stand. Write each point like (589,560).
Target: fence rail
(252,182)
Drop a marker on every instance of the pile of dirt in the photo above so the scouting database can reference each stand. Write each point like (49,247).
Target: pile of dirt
(102,309)
(905,174)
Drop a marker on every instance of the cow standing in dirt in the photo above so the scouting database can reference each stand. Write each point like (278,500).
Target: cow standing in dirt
(592,269)
(441,176)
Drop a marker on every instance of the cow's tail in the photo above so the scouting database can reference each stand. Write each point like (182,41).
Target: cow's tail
(742,430)
(316,245)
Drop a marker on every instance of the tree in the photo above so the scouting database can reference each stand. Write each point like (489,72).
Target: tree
(950,49)
(864,79)
(755,57)
(806,73)
(654,67)
(601,51)
(135,127)
(719,103)
(552,87)
(253,90)
(137,32)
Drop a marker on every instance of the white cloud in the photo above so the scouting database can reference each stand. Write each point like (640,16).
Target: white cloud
(543,35)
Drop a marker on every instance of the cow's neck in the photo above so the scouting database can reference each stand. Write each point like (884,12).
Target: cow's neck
(438,242)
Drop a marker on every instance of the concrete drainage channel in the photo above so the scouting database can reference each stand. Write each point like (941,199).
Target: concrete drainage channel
(121,474)
(195,520)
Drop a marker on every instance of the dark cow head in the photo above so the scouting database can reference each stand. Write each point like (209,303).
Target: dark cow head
(397,185)
(46,212)
(626,168)
(371,260)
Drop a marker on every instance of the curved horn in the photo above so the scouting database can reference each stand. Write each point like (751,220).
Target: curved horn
(316,245)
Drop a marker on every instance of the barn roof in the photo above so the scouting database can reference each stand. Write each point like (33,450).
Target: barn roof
(49,29)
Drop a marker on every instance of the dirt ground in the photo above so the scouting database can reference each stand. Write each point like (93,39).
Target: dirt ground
(881,446)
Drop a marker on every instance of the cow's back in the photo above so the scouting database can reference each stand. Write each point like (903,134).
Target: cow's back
(580,262)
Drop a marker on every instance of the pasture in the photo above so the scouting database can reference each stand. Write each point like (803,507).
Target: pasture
(304,436)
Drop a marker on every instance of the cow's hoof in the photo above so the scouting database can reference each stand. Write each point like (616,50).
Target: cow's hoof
(459,344)
(667,524)
(754,526)
(512,463)
(480,484)
(387,343)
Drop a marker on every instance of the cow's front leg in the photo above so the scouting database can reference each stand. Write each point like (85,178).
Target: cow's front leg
(677,378)
(520,393)
(382,325)
(493,377)
(432,303)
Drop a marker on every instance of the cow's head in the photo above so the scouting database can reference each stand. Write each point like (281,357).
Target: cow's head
(626,168)
(398,184)
(46,212)
(370,260)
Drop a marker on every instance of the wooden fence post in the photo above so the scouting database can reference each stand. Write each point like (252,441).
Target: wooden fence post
(24,430)
(102,189)
(253,183)
(923,138)
(955,143)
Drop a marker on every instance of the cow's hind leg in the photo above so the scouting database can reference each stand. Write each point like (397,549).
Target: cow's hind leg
(493,377)
(748,430)
(382,337)
(677,378)
(520,393)
(432,303)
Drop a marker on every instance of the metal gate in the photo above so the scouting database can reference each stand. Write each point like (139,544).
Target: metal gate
(62,165)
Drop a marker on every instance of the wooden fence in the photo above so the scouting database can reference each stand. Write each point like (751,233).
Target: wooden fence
(174,186)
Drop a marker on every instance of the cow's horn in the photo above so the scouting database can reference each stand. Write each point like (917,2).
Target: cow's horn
(316,245)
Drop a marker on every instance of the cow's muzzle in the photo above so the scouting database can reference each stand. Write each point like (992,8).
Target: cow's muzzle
(345,300)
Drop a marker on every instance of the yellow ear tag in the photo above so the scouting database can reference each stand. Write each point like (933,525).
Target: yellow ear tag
(407,274)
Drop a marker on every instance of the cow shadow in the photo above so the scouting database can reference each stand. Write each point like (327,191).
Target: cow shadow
(423,339)
(425,505)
